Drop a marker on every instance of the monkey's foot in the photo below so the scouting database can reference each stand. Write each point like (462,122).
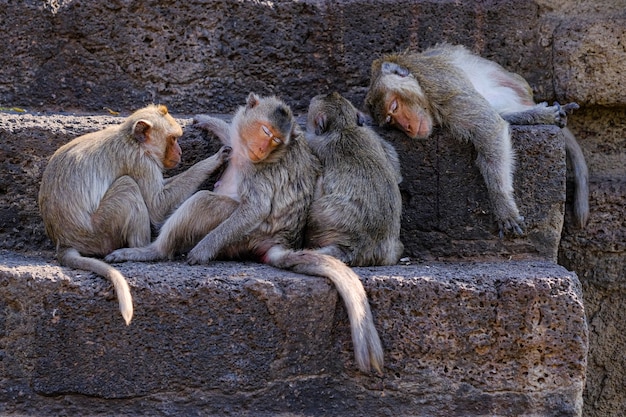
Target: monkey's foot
(133,254)
(516,226)
(561,112)
(199,256)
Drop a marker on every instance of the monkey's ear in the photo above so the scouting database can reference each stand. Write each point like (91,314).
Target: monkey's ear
(320,124)
(252,100)
(393,68)
(141,130)
(162,109)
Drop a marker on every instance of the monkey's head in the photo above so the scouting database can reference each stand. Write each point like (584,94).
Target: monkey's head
(265,126)
(156,131)
(395,98)
(332,112)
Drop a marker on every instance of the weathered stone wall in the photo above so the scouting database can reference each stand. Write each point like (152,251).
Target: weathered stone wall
(590,45)
(205,56)
(460,339)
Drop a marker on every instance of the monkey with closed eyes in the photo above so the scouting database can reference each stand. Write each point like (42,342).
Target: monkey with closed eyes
(475,99)
(258,210)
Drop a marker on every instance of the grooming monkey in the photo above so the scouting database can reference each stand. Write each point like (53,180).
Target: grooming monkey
(356,212)
(103,190)
(476,99)
(258,210)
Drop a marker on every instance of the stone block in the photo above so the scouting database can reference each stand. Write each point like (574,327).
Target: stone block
(446,207)
(243,339)
(588,61)
(207,56)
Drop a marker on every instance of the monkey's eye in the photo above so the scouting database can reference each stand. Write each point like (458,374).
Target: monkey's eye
(393,107)
(388,119)
(266,131)
(277,141)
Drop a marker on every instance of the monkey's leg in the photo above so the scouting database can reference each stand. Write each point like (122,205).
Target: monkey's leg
(192,221)
(541,114)
(120,220)
(495,162)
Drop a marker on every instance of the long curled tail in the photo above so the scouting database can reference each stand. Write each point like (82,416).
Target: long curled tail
(581,178)
(72,258)
(368,350)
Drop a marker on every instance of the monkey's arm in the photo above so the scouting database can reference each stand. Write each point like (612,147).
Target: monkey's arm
(180,187)
(212,124)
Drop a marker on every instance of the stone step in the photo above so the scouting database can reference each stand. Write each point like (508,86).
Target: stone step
(446,209)
(243,339)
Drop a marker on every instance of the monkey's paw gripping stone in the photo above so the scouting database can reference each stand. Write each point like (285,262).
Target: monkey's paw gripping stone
(471,339)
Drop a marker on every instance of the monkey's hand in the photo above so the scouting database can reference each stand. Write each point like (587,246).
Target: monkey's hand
(561,112)
(147,253)
(214,125)
(225,153)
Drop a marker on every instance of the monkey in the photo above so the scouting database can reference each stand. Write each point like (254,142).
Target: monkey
(476,99)
(258,211)
(103,191)
(356,212)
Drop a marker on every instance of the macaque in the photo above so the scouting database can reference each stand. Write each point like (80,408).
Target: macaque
(476,99)
(258,210)
(104,190)
(356,212)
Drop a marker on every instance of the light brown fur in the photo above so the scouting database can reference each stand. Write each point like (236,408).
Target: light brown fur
(475,99)
(103,190)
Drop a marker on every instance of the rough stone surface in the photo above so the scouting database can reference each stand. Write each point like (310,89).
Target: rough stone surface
(206,56)
(446,206)
(589,61)
(598,253)
(460,339)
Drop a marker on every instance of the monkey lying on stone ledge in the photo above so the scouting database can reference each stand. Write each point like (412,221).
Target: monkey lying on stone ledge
(476,99)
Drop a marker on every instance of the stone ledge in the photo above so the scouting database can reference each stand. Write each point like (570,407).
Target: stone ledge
(471,339)
(446,210)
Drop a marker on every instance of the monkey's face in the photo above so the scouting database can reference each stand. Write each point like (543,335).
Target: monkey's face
(260,138)
(157,133)
(407,116)
(173,152)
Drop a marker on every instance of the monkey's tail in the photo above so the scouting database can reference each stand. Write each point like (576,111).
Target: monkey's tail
(72,258)
(581,178)
(368,350)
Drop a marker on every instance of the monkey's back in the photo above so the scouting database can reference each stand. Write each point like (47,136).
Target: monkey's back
(359,207)
(75,180)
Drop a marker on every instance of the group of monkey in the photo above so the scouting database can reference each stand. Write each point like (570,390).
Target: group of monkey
(314,201)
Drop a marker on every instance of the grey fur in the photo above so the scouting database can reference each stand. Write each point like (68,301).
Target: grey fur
(357,208)
(266,220)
